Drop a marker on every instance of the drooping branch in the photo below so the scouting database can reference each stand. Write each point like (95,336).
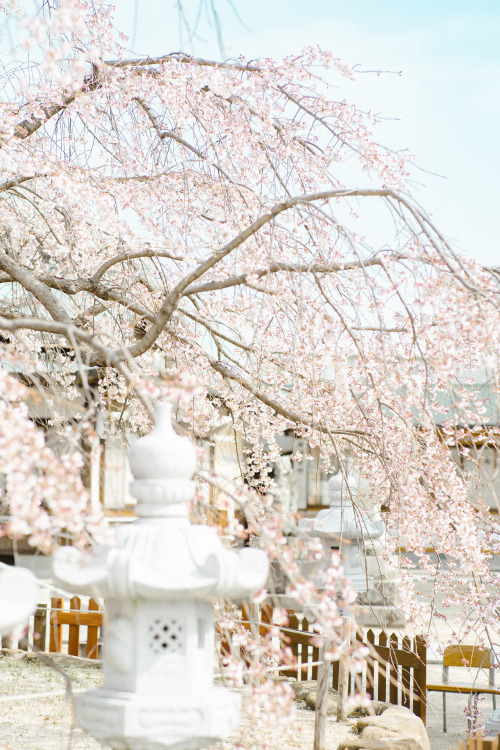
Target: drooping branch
(299,419)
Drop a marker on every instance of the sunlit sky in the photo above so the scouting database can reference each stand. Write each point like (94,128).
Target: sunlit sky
(441,100)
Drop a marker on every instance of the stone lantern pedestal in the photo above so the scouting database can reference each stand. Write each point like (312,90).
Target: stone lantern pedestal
(157,584)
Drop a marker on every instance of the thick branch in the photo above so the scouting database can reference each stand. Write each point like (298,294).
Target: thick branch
(27,127)
(70,331)
(16,181)
(39,290)
(299,419)
(170,302)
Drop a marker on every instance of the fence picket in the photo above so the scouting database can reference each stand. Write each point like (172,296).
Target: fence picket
(308,654)
(405,676)
(335,675)
(40,628)
(293,624)
(420,679)
(315,657)
(393,669)
(382,671)
(91,650)
(74,629)
(370,665)
(55,646)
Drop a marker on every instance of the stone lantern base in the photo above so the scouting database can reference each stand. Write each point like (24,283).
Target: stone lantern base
(148,721)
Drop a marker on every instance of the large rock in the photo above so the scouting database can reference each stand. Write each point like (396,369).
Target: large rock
(397,728)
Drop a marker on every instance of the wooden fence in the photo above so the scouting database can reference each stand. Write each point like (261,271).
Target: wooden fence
(82,636)
(479,743)
(395,671)
(75,618)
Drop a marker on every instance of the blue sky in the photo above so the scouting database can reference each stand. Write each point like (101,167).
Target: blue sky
(444,107)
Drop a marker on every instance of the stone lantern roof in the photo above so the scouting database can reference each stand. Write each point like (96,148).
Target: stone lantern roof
(162,555)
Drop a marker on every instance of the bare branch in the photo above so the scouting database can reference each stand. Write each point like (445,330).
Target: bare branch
(290,268)
(170,302)
(39,290)
(180,57)
(164,134)
(16,181)
(131,255)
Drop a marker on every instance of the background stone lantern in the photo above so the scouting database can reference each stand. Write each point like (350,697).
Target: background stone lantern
(158,652)
(359,536)
(344,527)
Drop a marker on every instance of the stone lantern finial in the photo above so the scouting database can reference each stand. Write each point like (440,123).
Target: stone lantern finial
(157,582)
(163,464)
(342,487)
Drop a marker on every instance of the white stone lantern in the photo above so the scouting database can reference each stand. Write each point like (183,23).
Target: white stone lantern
(18,597)
(360,537)
(157,584)
(345,527)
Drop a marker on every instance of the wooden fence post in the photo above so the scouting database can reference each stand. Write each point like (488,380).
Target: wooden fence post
(420,679)
(23,642)
(92,649)
(322,699)
(74,629)
(40,628)
(344,671)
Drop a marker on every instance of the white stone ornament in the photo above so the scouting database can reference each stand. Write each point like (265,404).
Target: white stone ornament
(157,584)
(360,537)
(344,526)
(18,597)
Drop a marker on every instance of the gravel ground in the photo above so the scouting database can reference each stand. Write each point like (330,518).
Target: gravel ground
(46,723)
(41,723)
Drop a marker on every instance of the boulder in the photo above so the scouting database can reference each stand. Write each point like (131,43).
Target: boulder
(397,728)
(380,743)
